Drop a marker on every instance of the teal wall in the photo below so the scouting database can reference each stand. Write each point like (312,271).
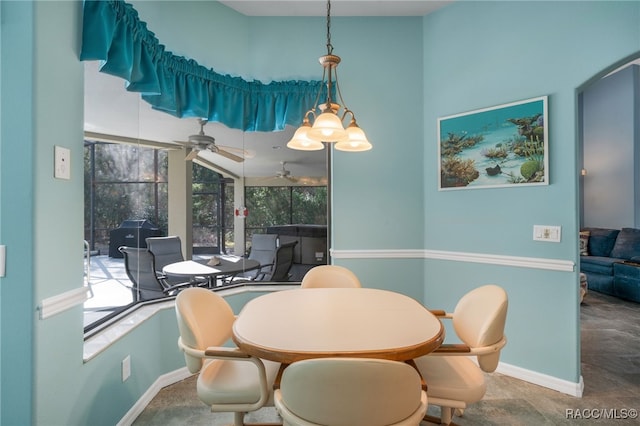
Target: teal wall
(409,71)
(16,211)
(206,31)
(480,54)
(377,195)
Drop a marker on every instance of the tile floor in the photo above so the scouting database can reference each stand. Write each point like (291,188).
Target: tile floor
(110,287)
(610,368)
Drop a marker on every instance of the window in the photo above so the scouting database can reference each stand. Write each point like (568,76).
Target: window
(123,185)
(212,212)
(126,200)
(122,182)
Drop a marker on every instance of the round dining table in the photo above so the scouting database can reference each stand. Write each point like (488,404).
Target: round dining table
(205,268)
(291,325)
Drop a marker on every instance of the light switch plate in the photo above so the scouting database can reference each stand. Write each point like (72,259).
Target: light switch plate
(62,163)
(546,233)
(3,260)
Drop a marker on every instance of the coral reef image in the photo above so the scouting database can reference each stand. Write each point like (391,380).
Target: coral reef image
(504,145)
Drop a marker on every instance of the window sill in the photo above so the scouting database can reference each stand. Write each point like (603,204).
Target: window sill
(99,340)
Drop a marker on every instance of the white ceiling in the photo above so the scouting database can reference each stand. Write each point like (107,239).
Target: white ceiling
(338,7)
(110,109)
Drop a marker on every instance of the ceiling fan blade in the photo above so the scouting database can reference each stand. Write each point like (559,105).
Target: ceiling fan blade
(191,155)
(245,153)
(228,155)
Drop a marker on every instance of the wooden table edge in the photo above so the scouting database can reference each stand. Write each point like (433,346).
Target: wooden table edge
(396,354)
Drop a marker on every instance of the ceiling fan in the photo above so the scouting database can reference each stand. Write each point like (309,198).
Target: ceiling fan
(283,173)
(201,142)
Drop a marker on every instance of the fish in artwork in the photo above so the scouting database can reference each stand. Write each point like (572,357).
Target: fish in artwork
(494,171)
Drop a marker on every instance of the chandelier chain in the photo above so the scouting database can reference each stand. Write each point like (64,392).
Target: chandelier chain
(329,45)
(328,126)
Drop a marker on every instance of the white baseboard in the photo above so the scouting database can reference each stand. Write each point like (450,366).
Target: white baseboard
(540,379)
(162,381)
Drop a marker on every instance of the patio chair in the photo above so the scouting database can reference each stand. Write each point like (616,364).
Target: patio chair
(274,264)
(167,250)
(282,263)
(141,269)
(263,249)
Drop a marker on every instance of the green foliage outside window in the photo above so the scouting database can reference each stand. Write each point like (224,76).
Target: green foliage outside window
(122,182)
(284,205)
(309,205)
(209,224)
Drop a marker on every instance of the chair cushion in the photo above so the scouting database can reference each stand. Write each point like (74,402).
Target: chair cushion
(165,249)
(601,241)
(352,392)
(330,276)
(480,316)
(233,382)
(598,264)
(455,378)
(264,242)
(627,244)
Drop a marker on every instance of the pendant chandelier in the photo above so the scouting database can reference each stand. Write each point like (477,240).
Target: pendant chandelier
(328,125)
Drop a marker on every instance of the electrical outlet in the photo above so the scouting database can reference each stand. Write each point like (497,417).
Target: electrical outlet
(546,233)
(126,367)
(62,163)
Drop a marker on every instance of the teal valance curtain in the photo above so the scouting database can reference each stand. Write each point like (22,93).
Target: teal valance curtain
(113,33)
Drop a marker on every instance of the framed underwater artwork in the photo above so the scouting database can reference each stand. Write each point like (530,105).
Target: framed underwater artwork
(500,146)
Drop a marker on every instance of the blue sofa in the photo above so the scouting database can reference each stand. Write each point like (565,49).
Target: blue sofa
(611,261)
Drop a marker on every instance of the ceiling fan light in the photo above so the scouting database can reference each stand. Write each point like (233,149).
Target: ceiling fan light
(301,141)
(327,128)
(356,140)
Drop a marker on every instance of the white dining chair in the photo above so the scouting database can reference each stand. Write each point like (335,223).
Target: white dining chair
(325,276)
(229,379)
(350,392)
(454,380)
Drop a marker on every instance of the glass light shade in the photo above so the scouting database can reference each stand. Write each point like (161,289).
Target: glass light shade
(301,141)
(356,141)
(327,127)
